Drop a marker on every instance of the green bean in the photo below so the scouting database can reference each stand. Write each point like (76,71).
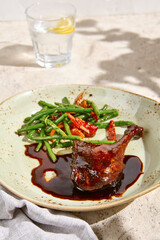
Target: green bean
(109,116)
(105,118)
(75,106)
(42,119)
(67,128)
(108,111)
(64,105)
(99,141)
(100,125)
(104,107)
(91,120)
(31,133)
(28,118)
(50,152)
(123,123)
(69,137)
(76,110)
(55,127)
(53,110)
(43,103)
(40,144)
(65,144)
(61,118)
(40,114)
(31,127)
(82,116)
(117,124)
(65,100)
(44,108)
(53,144)
(58,104)
(58,120)
(95,108)
(48,129)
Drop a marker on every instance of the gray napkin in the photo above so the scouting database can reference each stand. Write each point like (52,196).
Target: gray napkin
(21,219)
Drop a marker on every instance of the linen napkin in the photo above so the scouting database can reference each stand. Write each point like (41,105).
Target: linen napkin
(21,219)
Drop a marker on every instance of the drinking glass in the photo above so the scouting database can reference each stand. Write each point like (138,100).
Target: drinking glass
(51,25)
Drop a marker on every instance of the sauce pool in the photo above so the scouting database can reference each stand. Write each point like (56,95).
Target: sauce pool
(61,185)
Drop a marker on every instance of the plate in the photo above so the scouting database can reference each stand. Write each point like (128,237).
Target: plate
(16,167)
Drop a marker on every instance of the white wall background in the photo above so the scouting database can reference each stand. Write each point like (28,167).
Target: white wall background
(14,9)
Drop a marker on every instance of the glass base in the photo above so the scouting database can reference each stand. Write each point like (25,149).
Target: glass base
(52,61)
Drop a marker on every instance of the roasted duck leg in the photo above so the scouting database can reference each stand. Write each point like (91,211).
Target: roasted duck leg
(97,165)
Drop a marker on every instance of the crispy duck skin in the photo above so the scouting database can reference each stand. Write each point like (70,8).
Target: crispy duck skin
(97,165)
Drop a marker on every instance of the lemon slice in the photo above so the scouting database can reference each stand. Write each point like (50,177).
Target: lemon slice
(64,26)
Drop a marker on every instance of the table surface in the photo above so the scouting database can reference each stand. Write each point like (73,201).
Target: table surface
(117,51)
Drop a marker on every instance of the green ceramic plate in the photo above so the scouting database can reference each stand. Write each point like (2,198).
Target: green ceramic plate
(16,168)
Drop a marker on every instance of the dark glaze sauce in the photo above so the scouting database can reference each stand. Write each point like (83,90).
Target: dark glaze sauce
(62,186)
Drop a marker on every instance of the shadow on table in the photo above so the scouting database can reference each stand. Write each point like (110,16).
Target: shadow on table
(100,215)
(17,55)
(108,220)
(138,64)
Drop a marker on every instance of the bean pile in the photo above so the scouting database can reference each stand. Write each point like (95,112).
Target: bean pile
(58,124)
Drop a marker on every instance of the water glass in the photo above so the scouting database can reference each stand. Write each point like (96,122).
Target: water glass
(51,25)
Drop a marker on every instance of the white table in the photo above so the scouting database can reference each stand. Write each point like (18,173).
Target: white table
(117,51)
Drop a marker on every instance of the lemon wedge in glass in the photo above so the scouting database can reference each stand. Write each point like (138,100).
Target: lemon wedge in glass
(64,26)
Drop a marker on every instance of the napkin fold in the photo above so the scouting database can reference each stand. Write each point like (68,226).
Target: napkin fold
(21,219)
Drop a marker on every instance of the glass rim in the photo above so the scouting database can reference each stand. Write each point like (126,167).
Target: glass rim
(41,19)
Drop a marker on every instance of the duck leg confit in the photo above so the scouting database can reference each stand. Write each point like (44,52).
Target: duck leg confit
(97,165)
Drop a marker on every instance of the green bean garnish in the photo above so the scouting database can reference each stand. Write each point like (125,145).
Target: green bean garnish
(31,133)
(65,100)
(40,114)
(76,110)
(53,110)
(64,105)
(108,116)
(40,144)
(28,118)
(55,127)
(58,120)
(54,144)
(50,152)
(51,115)
(102,119)
(123,123)
(67,128)
(95,108)
(117,124)
(108,111)
(69,137)
(61,118)
(104,107)
(31,127)
(65,144)
(43,103)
